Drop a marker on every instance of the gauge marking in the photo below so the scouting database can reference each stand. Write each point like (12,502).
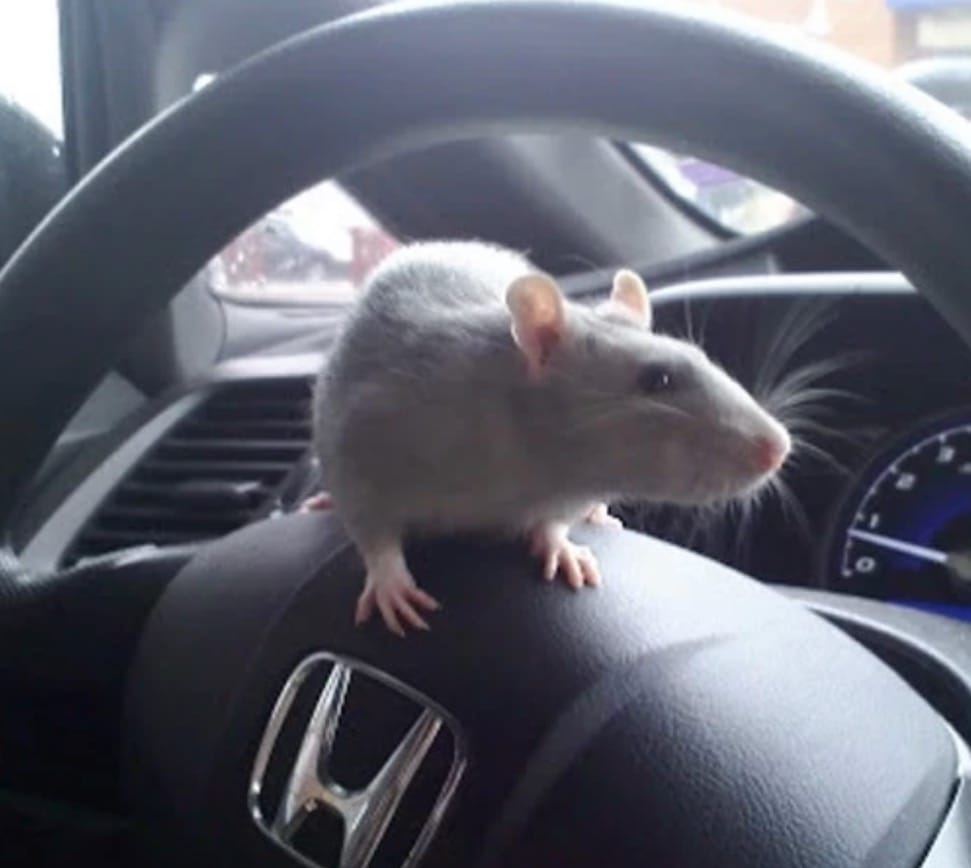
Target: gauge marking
(907,531)
(899,545)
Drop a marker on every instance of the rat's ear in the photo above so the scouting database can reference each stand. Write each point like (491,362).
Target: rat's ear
(628,297)
(538,318)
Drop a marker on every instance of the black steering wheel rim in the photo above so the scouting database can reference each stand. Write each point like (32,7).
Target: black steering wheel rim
(797,118)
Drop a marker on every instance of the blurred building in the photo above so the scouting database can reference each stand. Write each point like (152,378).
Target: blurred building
(886,32)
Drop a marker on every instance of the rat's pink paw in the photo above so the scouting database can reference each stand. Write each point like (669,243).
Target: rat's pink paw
(317,502)
(396,596)
(576,563)
(598,514)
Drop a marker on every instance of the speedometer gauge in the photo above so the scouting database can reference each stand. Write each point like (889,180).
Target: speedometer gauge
(905,535)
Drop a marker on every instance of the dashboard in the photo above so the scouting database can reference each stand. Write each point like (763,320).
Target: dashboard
(875,502)
(905,526)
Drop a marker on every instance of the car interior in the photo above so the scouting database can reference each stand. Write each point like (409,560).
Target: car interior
(192,195)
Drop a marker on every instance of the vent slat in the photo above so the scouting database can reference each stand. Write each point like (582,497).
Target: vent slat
(216,449)
(258,410)
(192,494)
(149,518)
(164,468)
(259,429)
(125,538)
(216,470)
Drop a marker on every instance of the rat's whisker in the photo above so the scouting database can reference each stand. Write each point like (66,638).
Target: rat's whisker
(813,430)
(822,456)
(689,322)
(796,329)
(705,320)
(606,408)
(793,508)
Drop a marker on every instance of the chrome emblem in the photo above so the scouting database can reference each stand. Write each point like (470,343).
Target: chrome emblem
(366,813)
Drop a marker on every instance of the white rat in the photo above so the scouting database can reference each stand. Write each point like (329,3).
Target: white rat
(466,393)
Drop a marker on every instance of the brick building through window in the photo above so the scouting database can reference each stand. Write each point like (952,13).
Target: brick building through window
(886,32)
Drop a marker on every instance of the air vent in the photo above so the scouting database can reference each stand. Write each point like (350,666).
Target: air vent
(229,462)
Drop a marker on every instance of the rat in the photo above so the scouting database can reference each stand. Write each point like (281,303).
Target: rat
(466,393)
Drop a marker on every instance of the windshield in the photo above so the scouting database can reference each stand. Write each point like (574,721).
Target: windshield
(32,175)
(30,61)
(316,247)
(928,42)
(319,246)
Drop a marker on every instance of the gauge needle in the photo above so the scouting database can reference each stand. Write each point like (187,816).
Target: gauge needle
(899,545)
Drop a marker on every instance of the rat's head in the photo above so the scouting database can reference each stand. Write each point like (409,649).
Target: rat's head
(643,414)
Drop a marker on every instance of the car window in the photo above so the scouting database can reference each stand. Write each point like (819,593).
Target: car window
(928,42)
(32,171)
(318,246)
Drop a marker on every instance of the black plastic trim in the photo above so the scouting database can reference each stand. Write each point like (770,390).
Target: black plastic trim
(47,545)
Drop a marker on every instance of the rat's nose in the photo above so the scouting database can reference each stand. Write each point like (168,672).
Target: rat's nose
(771,450)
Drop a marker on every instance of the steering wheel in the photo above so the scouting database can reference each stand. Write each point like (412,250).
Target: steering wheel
(681,715)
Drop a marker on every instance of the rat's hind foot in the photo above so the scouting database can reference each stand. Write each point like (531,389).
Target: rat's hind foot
(577,563)
(598,514)
(317,502)
(390,587)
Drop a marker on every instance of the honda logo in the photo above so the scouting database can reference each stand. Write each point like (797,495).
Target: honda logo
(365,812)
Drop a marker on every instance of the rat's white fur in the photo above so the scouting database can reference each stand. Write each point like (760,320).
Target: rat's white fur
(467,393)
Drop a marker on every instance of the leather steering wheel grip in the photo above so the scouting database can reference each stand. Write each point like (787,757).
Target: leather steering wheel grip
(882,160)
(678,715)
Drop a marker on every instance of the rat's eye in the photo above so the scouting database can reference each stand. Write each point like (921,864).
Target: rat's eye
(653,379)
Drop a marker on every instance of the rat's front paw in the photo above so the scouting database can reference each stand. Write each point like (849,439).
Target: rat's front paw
(577,563)
(598,514)
(317,503)
(394,592)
